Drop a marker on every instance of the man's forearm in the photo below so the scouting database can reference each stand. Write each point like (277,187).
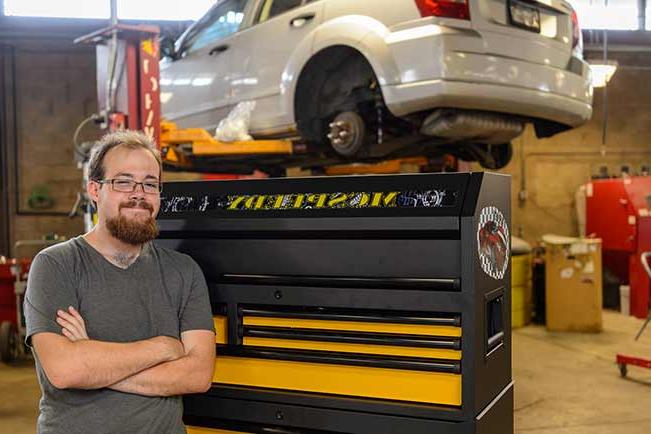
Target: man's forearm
(185,375)
(91,364)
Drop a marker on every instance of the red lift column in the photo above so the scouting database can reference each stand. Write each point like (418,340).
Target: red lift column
(128,97)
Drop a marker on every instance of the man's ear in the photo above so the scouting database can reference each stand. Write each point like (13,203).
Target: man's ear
(92,188)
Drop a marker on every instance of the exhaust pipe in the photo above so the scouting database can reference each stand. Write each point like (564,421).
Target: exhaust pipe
(472,126)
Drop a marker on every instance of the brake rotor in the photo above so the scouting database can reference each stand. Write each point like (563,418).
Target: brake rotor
(347,133)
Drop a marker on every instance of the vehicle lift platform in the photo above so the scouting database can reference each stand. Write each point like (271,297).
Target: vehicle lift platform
(366,304)
(184,149)
(194,149)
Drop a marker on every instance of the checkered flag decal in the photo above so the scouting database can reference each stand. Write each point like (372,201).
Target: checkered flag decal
(493,242)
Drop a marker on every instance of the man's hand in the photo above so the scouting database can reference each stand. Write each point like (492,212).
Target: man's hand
(189,374)
(73,326)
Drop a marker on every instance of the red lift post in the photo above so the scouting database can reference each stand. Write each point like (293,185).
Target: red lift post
(128,90)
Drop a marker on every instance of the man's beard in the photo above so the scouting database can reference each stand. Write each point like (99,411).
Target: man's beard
(133,231)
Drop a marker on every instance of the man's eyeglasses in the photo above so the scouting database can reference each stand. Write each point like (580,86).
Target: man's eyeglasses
(129,185)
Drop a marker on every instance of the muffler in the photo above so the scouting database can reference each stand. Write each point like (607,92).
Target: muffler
(472,126)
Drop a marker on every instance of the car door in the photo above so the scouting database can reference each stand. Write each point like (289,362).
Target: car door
(195,86)
(261,56)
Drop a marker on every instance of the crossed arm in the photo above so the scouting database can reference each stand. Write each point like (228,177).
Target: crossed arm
(160,366)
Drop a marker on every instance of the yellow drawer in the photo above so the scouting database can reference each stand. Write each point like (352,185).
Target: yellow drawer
(221,329)
(201,430)
(367,382)
(374,327)
(431,353)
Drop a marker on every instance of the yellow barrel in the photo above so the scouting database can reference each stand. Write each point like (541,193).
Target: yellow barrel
(521,276)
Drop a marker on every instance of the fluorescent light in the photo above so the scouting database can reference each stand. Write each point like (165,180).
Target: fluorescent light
(602,73)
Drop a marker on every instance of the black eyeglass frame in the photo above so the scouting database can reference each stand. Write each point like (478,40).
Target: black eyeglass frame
(135,184)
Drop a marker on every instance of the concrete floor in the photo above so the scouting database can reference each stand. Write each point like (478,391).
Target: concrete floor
(19,395)
(564,382)
(569,382)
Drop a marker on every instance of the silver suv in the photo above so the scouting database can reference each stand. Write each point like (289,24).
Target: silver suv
(371,78)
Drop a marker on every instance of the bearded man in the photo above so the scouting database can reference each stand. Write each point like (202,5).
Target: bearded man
(119,327)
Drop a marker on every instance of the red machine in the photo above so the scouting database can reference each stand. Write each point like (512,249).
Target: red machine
(624,360)
(13,284)
(618,211)
(11,271)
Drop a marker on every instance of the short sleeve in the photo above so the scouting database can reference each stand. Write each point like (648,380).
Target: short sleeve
(49,288)
(197,312)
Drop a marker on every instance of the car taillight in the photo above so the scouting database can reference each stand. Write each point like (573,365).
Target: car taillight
(444,8)
(577,37)
(576,30)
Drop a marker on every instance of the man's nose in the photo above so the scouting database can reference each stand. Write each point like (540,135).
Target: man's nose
(138,193)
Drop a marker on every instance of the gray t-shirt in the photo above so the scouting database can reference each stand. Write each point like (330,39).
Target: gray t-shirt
(163,292)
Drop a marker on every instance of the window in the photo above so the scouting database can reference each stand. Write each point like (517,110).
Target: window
(163,9)
(607,14)
(224,20)
(174,10)
(271,8)
(58,9)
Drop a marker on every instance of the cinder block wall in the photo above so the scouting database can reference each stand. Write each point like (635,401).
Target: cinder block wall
(52,85)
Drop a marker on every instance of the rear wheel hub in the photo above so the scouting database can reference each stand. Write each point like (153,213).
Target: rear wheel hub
(347,133)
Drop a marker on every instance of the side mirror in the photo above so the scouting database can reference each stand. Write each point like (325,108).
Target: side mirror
(167,48)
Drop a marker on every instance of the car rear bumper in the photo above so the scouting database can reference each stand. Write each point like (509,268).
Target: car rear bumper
(427,95)
(464,78)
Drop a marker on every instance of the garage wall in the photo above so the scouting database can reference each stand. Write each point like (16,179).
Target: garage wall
(550,171)
(50,87)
